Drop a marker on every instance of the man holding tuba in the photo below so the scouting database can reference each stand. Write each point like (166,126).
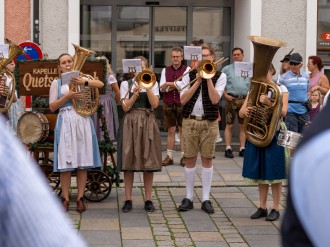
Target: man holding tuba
(200,128)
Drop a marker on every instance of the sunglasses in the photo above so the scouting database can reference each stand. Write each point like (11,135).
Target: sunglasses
(294,64)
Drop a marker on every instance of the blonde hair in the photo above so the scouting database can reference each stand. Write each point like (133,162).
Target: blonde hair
(107,64)
(318,92)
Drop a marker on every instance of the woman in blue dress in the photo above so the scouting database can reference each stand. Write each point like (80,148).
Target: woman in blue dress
(266,165)
(75,144)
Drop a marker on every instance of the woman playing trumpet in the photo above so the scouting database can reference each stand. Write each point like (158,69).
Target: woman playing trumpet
(139,144)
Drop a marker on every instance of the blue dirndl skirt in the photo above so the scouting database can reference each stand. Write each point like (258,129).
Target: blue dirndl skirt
(267,163)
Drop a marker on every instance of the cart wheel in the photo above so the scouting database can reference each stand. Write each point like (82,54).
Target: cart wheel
(98,186)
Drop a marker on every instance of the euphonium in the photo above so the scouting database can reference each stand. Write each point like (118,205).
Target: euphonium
(261,126)
(6,99)
(88,104)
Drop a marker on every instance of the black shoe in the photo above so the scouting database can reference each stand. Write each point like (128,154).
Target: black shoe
(229,153)
(242,153)
(186,205)
(259,214)
(128,206)
(207,207)
(273,215)
(149,206)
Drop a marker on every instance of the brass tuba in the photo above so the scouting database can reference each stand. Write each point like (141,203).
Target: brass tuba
(6,99)
(88,104)
(261,126)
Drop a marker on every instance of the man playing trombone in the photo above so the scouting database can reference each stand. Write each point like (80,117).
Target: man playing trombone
(200,125)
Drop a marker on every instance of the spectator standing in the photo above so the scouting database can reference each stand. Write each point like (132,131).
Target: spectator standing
(317,80)
(297,83)
(315,99)
(236,90)
(172,107)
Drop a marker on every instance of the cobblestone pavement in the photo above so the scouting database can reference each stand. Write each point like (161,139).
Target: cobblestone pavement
(234,200)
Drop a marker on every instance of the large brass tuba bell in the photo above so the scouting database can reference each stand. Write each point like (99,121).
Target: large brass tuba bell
(6,99)
(88,104)
(261,126)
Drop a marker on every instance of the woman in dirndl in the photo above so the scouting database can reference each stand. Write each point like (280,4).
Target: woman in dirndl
(139,143)
(109,101)
(266,165)
(75,141)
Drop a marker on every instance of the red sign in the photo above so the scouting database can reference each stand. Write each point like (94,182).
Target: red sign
(325,36)
(32,51)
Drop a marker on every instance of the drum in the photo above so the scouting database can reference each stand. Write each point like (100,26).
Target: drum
(289,139)
(32,127)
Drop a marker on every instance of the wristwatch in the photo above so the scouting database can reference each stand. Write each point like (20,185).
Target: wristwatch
(86,82)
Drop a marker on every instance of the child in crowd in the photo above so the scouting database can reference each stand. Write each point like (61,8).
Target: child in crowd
(315,99)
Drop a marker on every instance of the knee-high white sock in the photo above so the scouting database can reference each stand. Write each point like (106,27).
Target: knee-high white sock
(170,153)
(207,174)
(190,180)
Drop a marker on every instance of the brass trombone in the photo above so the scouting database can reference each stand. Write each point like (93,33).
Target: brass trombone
(146,79)
(205,69)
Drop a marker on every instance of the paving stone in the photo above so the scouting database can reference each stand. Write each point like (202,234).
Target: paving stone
(99,225)
(138,233)
(206,236)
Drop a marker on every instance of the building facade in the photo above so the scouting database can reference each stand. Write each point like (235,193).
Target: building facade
(125,28)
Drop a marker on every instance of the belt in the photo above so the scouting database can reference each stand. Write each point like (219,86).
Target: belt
(197,117)
(237,96)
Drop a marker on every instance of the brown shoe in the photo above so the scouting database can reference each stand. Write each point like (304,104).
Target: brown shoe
(65,204)
(182,163)
(81,206)
(167,161)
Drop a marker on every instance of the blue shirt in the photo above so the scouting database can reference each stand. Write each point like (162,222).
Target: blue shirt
(236,85)
(297,87)
(30,215)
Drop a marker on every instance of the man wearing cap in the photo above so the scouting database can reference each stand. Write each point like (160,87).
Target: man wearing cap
(236,90)
(297,83)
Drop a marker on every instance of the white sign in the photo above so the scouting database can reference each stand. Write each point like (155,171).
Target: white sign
(132,65)
(4,50)
(192,53)
(243,69)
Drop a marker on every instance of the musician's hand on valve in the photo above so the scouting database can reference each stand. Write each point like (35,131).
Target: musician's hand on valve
(248,111)
(74,95)
(264,99)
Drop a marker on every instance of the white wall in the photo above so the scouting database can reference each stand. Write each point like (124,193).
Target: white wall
(54,27)
(247,22)
(73,24)
(286,21)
